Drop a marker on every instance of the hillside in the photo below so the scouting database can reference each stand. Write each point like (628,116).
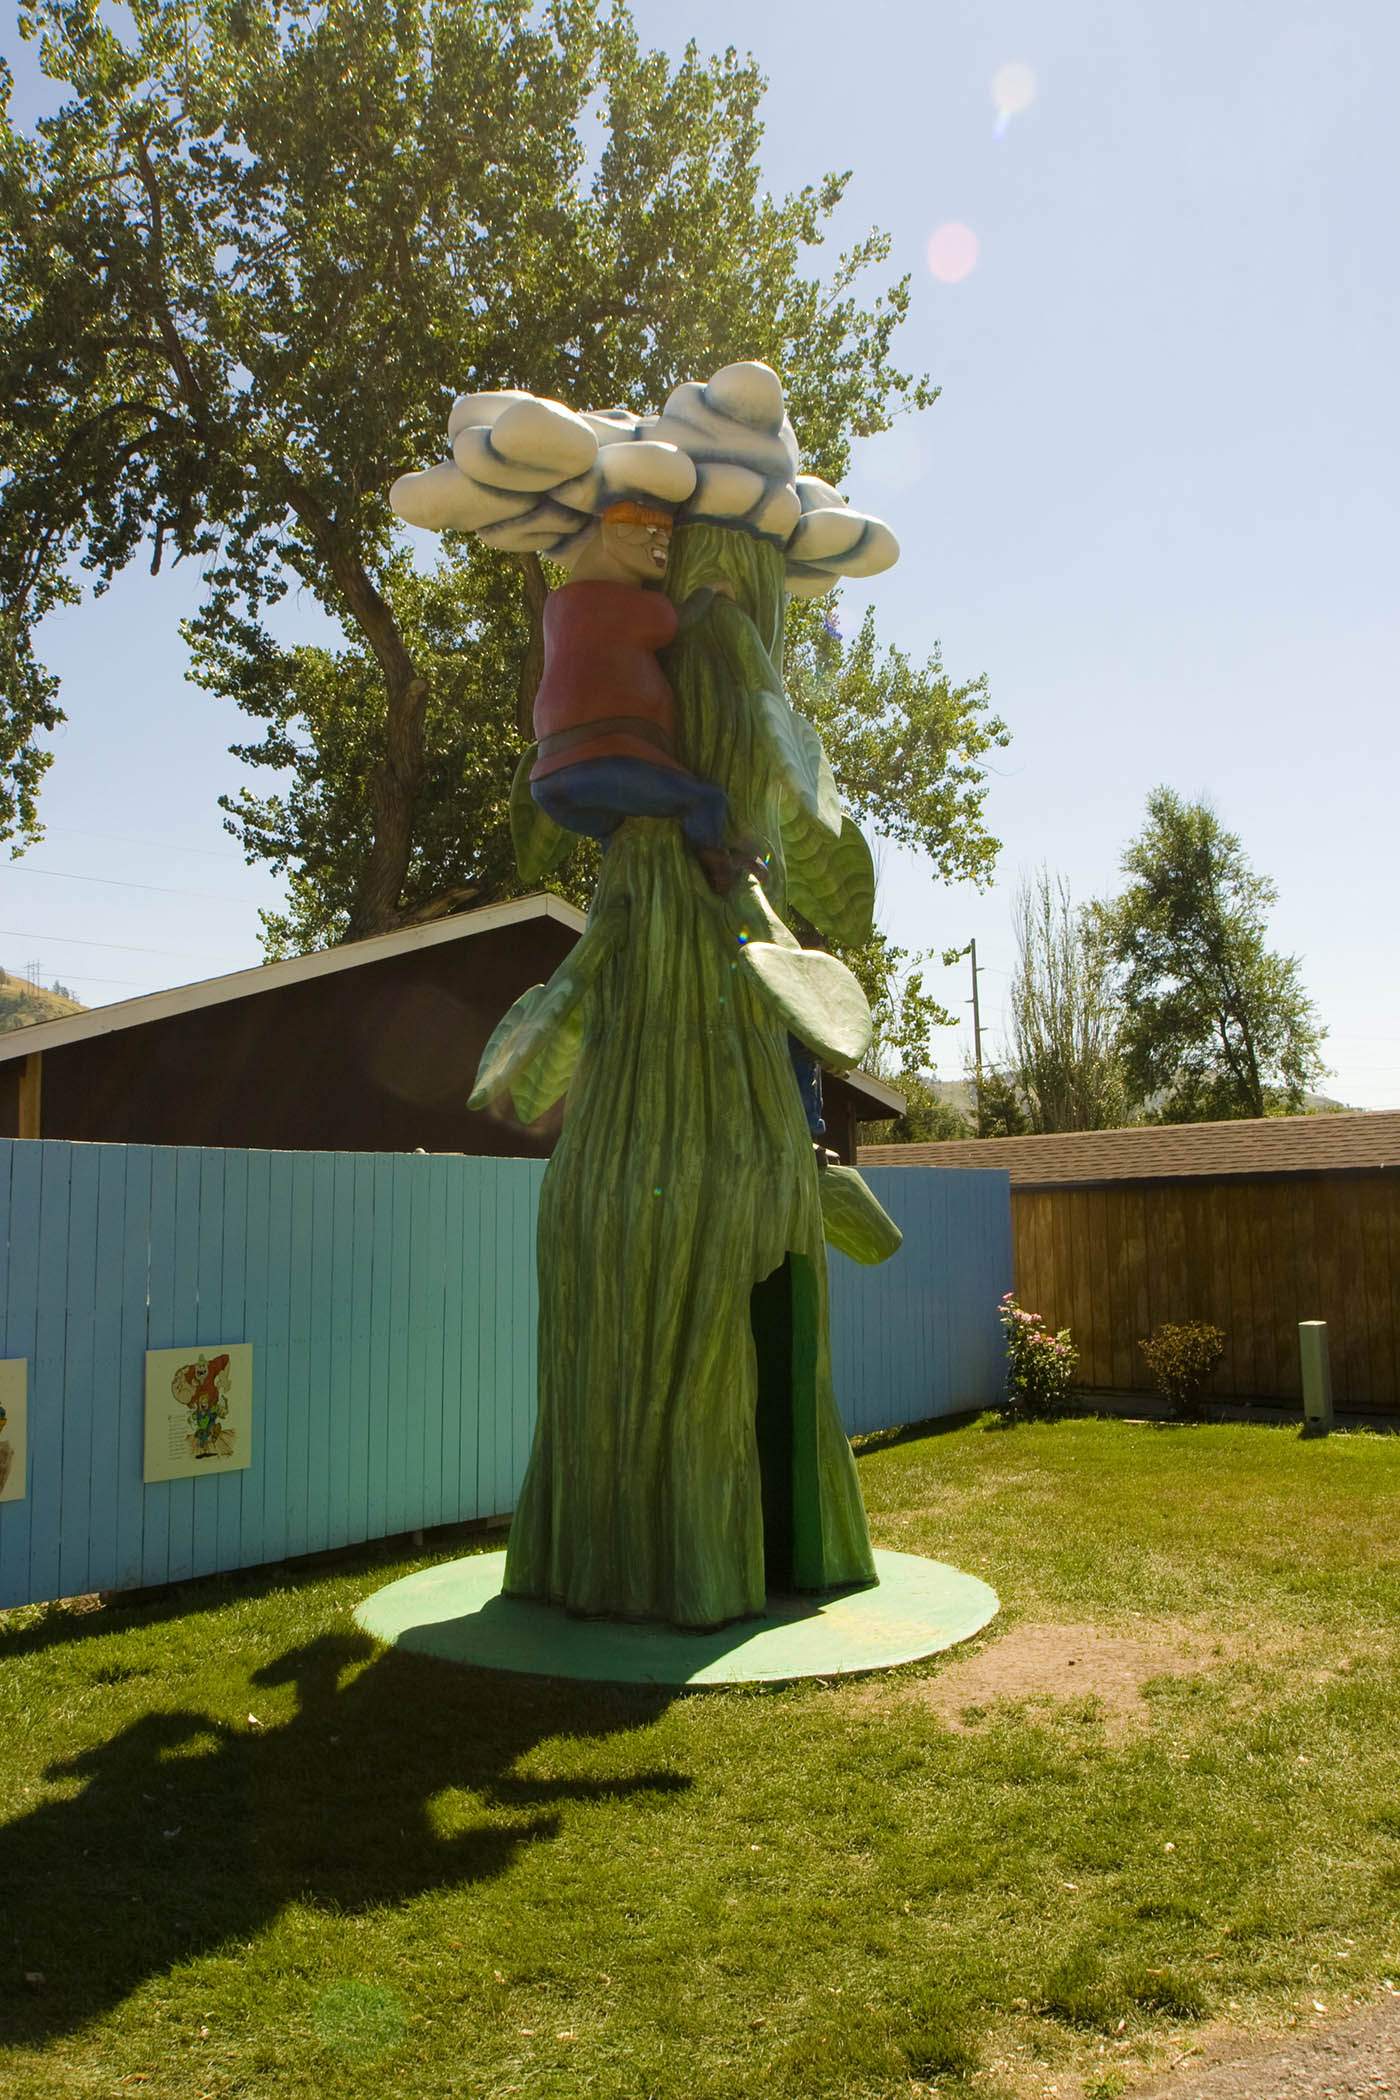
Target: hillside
(21,1005)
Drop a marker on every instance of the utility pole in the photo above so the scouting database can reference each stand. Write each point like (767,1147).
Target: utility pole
(976,1033)
(976,1019)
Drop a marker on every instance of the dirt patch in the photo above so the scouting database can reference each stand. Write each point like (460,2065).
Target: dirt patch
(1351,2059)
(1046,1662)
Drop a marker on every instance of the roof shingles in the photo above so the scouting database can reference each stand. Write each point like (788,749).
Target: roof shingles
(1163,1152)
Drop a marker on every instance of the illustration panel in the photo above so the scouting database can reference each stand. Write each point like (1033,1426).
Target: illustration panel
(199,1410)
(13,1388)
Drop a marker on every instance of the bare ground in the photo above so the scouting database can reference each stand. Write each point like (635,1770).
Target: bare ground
(1047,1661)
(1357,2058)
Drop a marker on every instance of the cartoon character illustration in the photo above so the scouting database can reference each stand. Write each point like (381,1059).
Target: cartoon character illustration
(203,1388)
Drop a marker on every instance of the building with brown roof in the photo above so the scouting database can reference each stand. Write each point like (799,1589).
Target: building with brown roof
(1253,1226)
(369,1047)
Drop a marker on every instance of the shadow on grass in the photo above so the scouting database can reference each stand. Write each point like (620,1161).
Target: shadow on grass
(29,1629)
(189,1834)
(914,1432)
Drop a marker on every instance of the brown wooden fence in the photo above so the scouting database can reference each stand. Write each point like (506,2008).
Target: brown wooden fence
(1254,1256)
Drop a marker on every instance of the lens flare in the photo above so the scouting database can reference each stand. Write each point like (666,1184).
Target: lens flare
(1013,90)
(952,252)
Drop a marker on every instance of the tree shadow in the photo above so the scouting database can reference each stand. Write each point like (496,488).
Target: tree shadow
(30,1629)
(190,1832)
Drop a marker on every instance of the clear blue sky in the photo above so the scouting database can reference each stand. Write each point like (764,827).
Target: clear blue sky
(1157,502)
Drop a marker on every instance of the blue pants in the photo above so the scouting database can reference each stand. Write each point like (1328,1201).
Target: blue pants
(594,796)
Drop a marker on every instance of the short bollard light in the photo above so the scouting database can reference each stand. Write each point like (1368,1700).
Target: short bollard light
(1317,1376)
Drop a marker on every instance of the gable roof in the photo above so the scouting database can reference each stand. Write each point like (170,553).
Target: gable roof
(271,977)
(1357,1140)
(874,1095)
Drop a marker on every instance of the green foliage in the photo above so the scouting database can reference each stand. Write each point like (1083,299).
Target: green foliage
(1040,1366)
(1214,1024)
(907,746)
(904,1014)
(1181,1357)
(927,1117)
(327,717)
(1066,1061)
(1001,1111)
(244,270)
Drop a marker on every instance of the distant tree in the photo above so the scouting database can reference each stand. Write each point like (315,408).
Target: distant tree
(927,1119)
(1066,1062)
(1000,1110)
(1215,1025)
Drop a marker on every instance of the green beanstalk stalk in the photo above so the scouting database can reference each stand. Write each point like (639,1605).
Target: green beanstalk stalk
(689,1455)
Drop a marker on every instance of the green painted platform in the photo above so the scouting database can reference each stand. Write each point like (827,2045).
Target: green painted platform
(456,1611)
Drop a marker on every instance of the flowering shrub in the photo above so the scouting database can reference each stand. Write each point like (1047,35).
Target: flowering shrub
(1181,1359)
(1040,1366)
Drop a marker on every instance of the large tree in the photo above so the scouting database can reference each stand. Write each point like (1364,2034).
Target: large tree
(242,273)
(1215,1024)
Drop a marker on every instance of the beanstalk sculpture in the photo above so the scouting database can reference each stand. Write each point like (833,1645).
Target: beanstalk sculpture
(688,1455)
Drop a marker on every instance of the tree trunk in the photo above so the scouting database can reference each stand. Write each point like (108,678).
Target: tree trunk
(394,787)
(397,779)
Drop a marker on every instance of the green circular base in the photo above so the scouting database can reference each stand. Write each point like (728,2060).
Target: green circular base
(456,1610)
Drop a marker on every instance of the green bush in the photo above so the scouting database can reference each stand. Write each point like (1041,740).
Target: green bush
(1181,1359)
(1040,1366)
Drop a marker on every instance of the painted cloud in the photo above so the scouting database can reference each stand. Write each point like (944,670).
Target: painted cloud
(531,476)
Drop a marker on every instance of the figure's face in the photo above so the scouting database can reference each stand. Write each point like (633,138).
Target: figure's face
(641,550)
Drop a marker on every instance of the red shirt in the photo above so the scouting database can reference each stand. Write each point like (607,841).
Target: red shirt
(600,644)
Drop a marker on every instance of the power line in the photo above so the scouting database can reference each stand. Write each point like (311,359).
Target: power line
(69,940)
(78,977)
(114,882)
(124,838)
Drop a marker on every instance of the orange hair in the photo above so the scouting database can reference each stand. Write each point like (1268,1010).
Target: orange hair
(630,513)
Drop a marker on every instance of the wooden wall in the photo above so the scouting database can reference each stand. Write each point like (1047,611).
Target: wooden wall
(1253,1256)
(390,1300)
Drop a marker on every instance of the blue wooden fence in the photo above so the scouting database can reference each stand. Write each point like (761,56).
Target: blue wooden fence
(390,1301)
(919,1335)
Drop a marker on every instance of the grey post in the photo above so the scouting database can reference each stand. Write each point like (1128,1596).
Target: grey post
(1317,1376)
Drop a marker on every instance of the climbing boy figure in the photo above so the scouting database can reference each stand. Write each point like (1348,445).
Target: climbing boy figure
(605,715)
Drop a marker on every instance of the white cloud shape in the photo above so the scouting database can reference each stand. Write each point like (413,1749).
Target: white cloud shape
(530,475)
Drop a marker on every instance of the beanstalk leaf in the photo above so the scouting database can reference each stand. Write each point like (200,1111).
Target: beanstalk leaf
(815,996)
(854,1221)
(540,844)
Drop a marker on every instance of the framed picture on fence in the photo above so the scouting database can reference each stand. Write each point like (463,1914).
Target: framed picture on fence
(199,1410)
(13,1393)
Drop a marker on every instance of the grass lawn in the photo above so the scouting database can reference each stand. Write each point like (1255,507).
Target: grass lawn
(247,1853)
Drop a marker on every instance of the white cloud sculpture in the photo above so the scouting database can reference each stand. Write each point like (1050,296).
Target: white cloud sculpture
(532,476)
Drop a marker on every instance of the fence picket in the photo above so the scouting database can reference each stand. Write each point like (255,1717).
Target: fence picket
(81,1398)
(22,1183)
